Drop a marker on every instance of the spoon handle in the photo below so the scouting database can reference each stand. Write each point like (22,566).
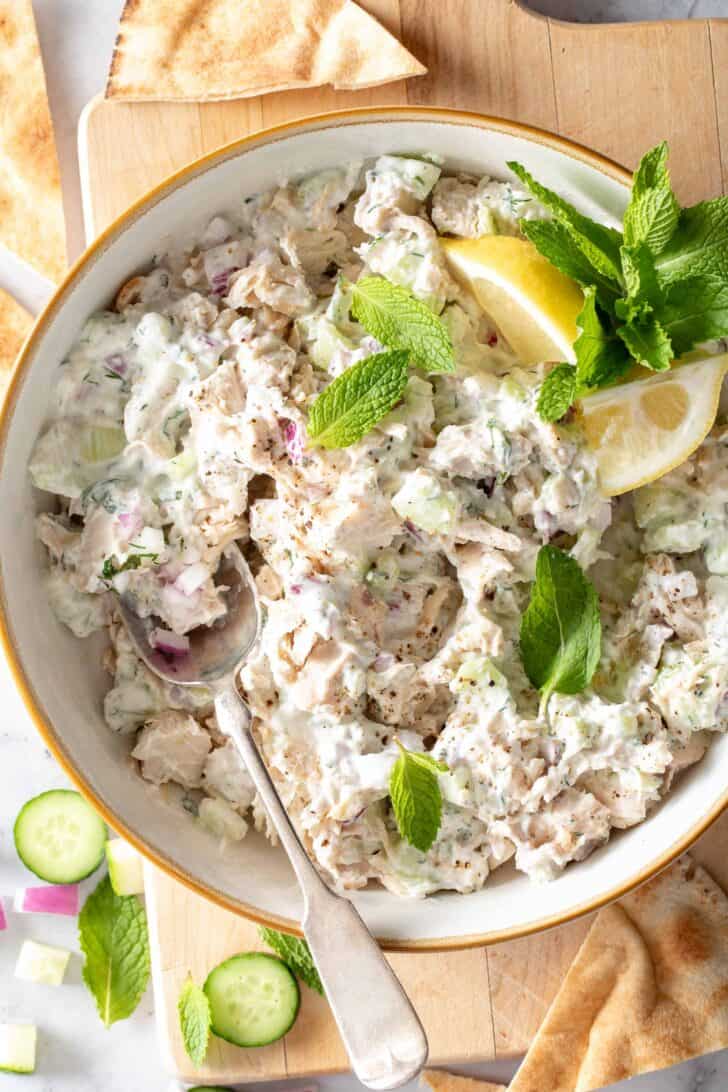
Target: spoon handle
(382,1034)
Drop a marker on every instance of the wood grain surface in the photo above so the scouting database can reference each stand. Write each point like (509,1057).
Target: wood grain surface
(617,89)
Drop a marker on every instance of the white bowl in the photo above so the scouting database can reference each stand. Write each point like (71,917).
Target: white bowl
(62,680)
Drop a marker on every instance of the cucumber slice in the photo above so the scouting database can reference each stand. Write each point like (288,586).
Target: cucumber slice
(59,836)
(254,999)
(17,1048)
(125,868)
(42,963)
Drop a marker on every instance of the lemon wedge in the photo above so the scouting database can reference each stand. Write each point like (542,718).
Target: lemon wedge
(530,301)
(640,430)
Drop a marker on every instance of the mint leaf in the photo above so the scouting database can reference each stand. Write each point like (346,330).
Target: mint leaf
(195,1020)
(599,244)
(556,244)
(640,280)
(395,317)
(357,399)
(560,638)
(601,357)
(557,392)
(652,214)
(296,954)
(416,797)
(695,310)
(648,342)
(112,931)
(699,244)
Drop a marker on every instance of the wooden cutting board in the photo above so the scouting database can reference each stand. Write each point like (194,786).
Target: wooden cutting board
(618,89)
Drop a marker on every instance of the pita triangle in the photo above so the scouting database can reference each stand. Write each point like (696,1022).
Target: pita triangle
(31,209)
(439,1081)
(15,322)
(192,50)
(647,989)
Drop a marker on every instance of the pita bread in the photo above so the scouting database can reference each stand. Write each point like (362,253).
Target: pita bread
(228,49)
(15,323)
(438,1081)
(648,989)
(31,209)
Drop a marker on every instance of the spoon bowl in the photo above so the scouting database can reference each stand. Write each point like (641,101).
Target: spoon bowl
(215,651)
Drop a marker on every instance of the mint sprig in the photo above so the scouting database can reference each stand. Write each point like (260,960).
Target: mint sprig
(358,399)
(113,935)
(560,638)
(296,954)
(652,292)
(195,1020)
(399,320)
(416,798)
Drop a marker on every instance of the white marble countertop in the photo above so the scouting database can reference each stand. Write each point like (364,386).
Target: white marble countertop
(76,1053)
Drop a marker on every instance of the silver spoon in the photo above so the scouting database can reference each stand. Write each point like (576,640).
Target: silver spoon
(382,1034)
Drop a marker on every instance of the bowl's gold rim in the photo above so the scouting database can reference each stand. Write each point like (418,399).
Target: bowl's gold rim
(32,702)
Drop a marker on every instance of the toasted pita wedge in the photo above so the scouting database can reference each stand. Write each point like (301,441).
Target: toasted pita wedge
(648,989)
(15,323)
(438,1081)
(31,209)
(228,49)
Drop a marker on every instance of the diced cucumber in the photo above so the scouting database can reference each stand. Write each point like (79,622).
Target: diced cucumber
(254,999)
(423,501)
(17,1048)
(125,868)
(59,837)
(42,963)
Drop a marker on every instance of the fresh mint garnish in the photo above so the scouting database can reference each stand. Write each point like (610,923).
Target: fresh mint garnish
(416,797)
(112,931)
(648,342)
(399,320)
(598,245)
(600,355)
(358,399)
(560,639)
(652,292)
(195,1020)
(557,392)
(653,211)
(554,241)
(110,569)
(296,954)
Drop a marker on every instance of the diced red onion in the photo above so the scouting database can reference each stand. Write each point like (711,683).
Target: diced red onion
(417,535)
(116,363)
(131,521)
(164,640)
(296,589)
(50,899)
(220,281)
(3,918)
(293,438)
